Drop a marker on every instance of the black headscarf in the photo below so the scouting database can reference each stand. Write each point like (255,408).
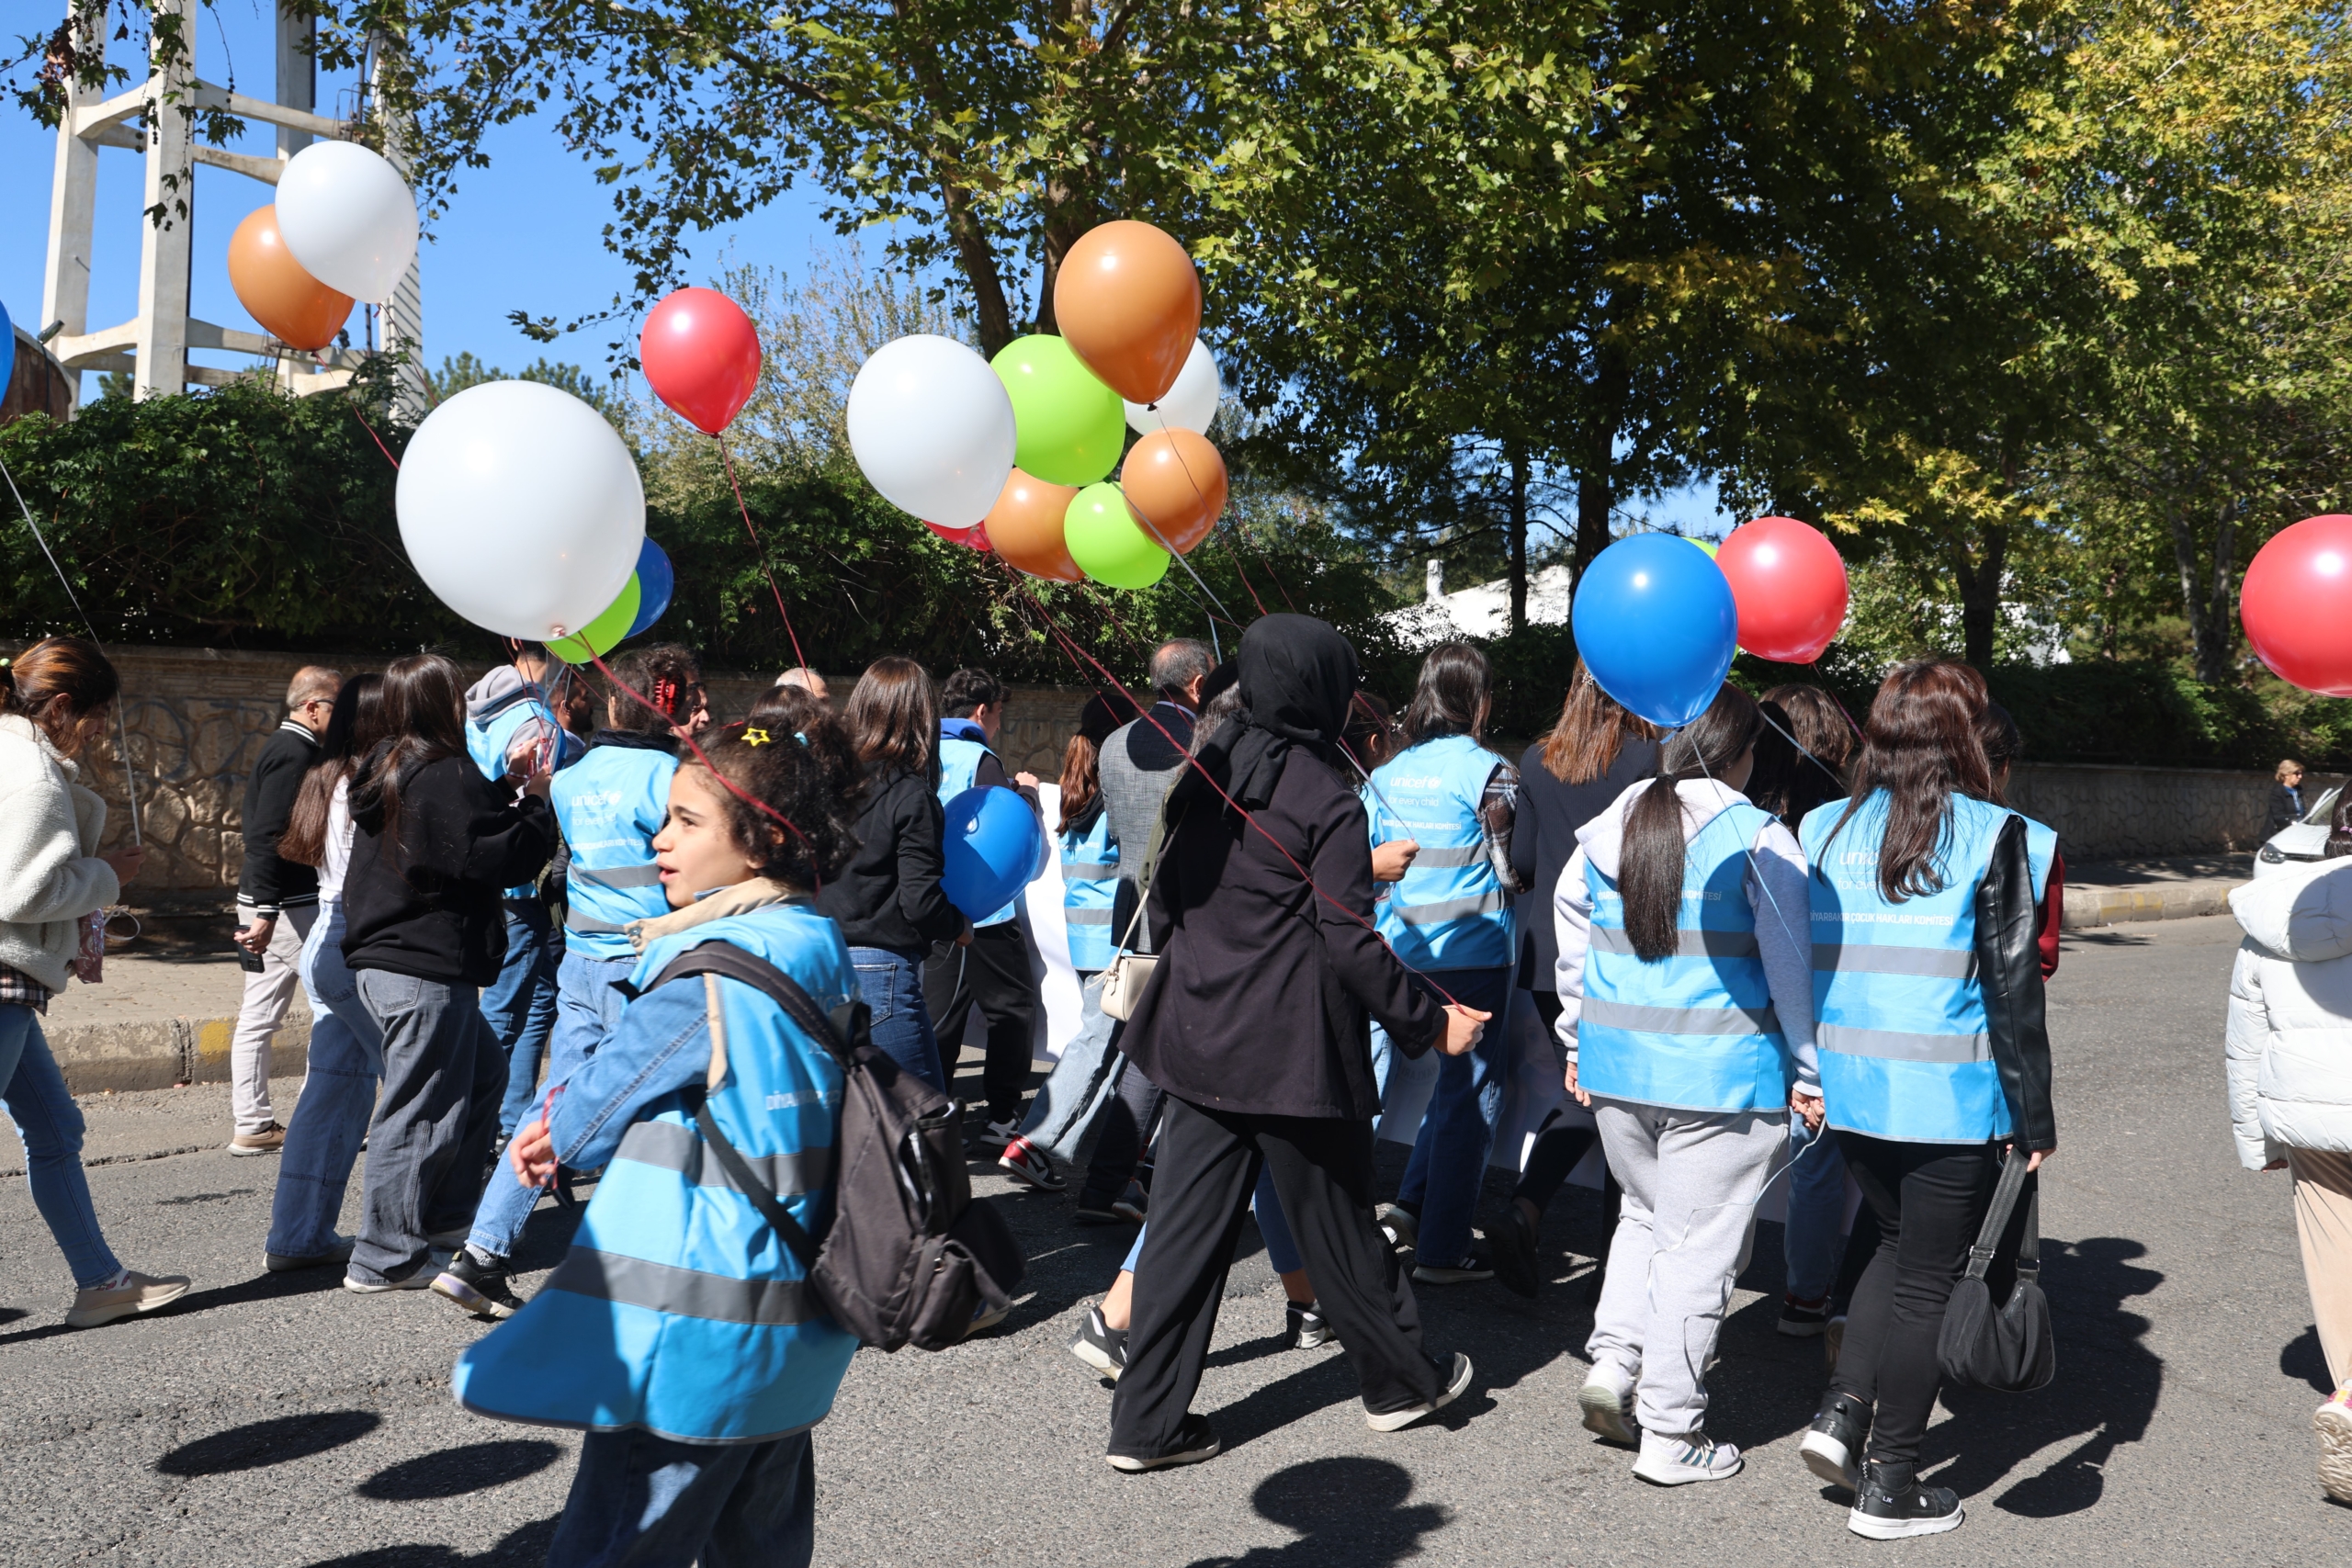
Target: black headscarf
(1297,678)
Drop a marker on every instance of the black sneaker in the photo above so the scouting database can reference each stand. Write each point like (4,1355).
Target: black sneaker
(1195,1440)
(1798,1321)
(1095,1209)
(1890,1503)
(1305,1327)
(476,1285)
(1510,1242)
(997,1135)
(1100,1346)
(1132,1204)
(1832,1448)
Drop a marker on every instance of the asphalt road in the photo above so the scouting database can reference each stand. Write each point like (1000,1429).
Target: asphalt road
(279,1420)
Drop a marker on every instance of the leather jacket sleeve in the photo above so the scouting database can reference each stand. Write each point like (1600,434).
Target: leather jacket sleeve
(2008,967)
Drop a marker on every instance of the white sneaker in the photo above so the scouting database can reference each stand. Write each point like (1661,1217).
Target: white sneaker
(1694,1456)
(2333,1422)
(1607,1401)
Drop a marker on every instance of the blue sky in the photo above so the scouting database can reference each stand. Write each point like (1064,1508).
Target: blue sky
(524,233)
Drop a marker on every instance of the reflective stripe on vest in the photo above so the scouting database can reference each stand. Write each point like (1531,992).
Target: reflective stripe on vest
(1898,1007)
(677,1309)
(1694,1030)
(959,761)
(1090,888)
(1450,911)
(611,802)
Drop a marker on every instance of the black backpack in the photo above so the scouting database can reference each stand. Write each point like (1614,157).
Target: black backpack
(905,1255)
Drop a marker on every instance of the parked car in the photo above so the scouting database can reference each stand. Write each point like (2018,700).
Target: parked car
(2305,838)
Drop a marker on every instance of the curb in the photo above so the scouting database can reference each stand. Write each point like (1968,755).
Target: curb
(2089,908)
(164,1052)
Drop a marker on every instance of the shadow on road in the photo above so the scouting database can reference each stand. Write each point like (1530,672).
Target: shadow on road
(2303,1360)
(275,1442)
(1350,1513)
(2106,1390)
(528,1545)
(453,1473)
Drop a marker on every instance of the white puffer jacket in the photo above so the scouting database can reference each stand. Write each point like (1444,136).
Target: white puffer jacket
(2289,1043)
(50,875)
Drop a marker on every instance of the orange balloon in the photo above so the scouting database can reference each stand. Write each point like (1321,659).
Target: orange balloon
(1025,526)
(292,307)
(1128,301)
(1175,479)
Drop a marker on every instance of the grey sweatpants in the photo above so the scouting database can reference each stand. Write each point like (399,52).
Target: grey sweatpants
(429,1143)
(1691,1180)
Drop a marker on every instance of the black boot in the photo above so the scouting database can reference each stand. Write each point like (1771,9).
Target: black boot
(1890,1503)
(1832,1448)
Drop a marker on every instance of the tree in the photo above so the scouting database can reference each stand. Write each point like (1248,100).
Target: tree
(464,370)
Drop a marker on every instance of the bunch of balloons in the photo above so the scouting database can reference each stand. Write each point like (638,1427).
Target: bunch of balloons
(1657,622)
(2296,604)
(1015,455)
(344,227)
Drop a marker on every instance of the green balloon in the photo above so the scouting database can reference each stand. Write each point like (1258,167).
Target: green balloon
(1106,543)
(603,634)
(1706,545)
(1071,426)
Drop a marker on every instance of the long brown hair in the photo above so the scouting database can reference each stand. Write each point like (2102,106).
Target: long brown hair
(893,717)
(59,682)
(424,704)
(1081,779)
(1819,725)
(1450,695)
(1650,864)
(1920,745)
(357,724)
(1593,729)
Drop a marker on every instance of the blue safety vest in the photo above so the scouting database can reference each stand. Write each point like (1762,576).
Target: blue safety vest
(1695,1029)
(678,1311)
(1898,1008)
(488,738)
(610,805)
(1450,911)
(959,758)
(1090,889)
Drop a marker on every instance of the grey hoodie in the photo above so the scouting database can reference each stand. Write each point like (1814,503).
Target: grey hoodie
(1782,902)
(499,689)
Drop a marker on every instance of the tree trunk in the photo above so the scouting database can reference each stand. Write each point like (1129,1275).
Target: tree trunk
(1596,477)
(977,260)
(1980,594)
(1518,537)
(2215,640)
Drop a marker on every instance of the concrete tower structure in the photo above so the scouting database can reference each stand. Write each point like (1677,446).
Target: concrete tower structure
(156,117)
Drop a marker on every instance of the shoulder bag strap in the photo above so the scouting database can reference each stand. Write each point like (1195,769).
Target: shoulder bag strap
(1996,1218)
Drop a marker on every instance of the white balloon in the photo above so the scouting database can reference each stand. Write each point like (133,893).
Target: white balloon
(1190,404)
(931,427)
(348,218)
(521,508)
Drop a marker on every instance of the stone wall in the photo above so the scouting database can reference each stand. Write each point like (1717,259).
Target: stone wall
(2125,813)
(198,718)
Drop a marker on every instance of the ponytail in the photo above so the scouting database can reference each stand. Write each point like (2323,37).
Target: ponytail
(69,669)
(1651,863)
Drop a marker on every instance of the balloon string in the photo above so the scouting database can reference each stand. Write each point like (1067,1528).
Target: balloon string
(1194,762)
(130,785)
(797,657)
(370,429)
(704,758)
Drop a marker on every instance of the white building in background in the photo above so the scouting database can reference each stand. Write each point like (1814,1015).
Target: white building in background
(1480,612)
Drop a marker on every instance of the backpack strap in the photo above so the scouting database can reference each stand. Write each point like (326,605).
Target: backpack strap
(710,960)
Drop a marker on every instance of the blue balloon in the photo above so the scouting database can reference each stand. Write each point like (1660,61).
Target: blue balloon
(655,582)
(7,350)
(994,846)
(1655,625)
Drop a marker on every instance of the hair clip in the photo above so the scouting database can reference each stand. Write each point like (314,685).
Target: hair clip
(665,698)
(755,738)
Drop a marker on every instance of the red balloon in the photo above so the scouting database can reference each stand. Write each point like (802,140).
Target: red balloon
(702,354)
(974,537)
(1788,583)
(2297,604)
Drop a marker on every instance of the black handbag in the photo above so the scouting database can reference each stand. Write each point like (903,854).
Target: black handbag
(2008,1347)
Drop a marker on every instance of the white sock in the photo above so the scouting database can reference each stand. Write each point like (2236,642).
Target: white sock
(121,1277)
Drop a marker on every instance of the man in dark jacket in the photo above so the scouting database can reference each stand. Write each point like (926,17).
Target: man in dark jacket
(276,902)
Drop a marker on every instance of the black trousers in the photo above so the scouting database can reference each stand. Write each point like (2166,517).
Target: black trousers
(1930,1201)
(1209,1163)
(993,975)
(1122,1134)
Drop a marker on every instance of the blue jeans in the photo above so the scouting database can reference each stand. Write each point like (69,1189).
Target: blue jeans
(1081,1082)
(50,1125)
(647,1501)
(519,1006)
(891,984)
(1815,1237)
(587,1009)
(338,1096)
(1282,1249)
(1449,1163)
